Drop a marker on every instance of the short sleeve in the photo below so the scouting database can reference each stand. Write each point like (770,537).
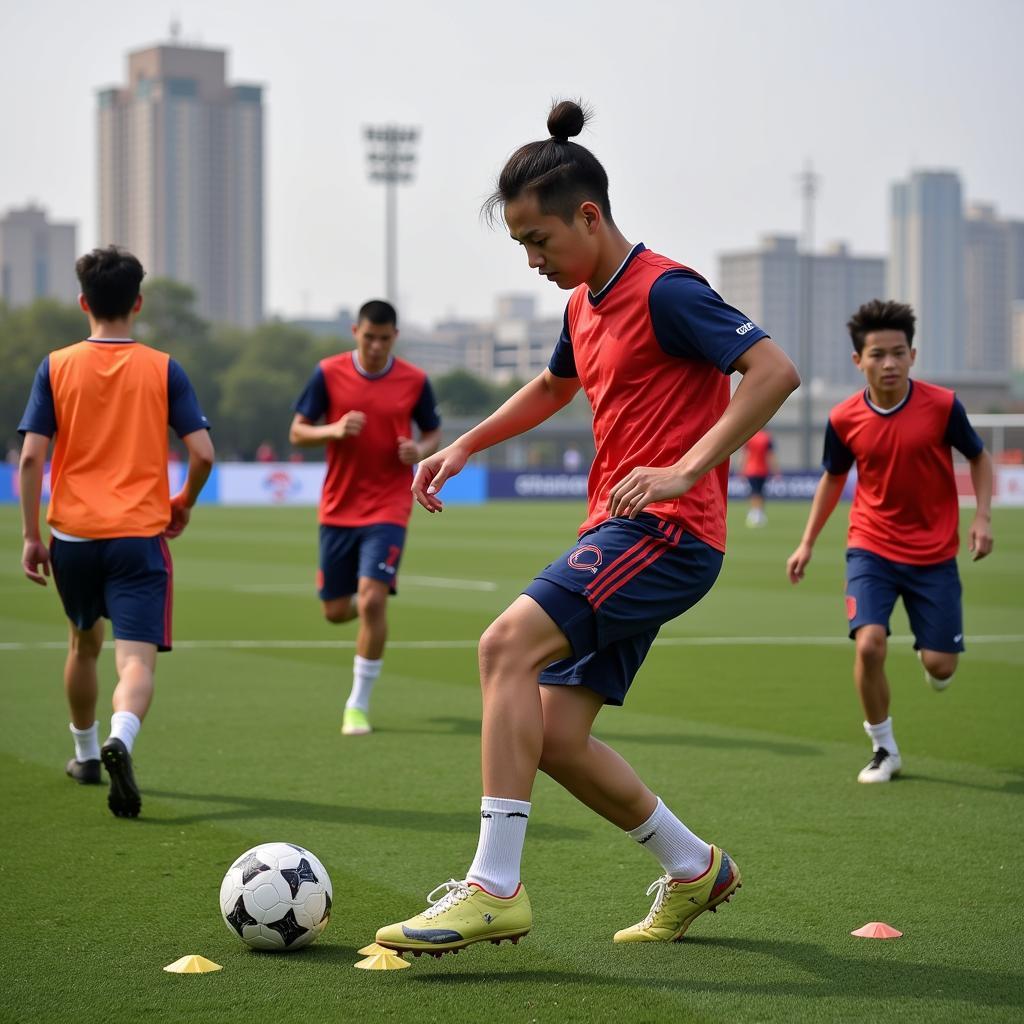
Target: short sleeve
(424,413)
(837,458)
(312,402)
(563,359)
(40,416)
(183,412)
(692,321)
(960,434)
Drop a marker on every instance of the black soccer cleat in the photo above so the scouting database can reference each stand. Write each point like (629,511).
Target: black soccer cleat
(86,773)
(124,799)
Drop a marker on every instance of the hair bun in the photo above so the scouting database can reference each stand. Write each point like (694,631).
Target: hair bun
(566,120)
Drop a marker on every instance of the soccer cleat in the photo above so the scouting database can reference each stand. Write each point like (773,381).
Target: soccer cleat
(677,904)
(355,723)
(881,768)
(86,773)
(124,799)
(460,913)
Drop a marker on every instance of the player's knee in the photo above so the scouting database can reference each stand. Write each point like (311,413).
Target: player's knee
(496,645)
(372,604)
(85,644)
(338,611)
(872,644)
(939,664)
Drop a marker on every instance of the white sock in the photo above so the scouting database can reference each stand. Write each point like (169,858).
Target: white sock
(682,854)
(124,726)
(364,674)
(499,852)
(881,736)
(87,742)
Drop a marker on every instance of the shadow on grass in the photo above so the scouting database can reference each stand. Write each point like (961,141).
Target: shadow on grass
(243,808)
(671,739)
(832,976)
(1015,787)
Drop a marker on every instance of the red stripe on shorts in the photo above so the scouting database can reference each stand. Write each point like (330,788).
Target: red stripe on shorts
(169,595)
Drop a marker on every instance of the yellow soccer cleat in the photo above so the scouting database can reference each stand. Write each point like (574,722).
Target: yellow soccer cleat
(460,913)
(677,904)
(355,723)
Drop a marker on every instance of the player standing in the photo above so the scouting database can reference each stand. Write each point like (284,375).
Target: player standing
(652,346)
(368,400)
(109,401)
(903,535)
(758,463)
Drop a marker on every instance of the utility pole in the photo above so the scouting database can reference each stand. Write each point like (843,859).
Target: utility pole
(391,159)
(808,193)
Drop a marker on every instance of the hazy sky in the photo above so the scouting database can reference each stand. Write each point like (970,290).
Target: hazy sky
(705,113)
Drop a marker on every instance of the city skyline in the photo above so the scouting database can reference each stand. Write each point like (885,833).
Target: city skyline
(702,149)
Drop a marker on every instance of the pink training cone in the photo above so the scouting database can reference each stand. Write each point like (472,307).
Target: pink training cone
(877,930)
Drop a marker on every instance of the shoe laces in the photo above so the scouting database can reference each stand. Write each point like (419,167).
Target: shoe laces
(660,886)
(447,895)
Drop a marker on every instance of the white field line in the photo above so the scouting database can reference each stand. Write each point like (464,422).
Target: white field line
(415,581)
(458,645)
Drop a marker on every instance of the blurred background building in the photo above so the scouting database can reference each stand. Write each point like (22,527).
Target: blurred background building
(37,258)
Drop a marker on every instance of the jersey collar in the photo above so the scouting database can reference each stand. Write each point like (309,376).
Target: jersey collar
(370,376)
(896,408)
(623,266)
(112,341)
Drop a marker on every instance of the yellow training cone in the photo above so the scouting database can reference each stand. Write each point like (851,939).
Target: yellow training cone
(193,964)
(386,960)
(372,949)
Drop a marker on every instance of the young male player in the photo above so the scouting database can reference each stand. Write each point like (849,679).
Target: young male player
(369,401)
(652,346)
(109,401)
(904,519)
(759,463)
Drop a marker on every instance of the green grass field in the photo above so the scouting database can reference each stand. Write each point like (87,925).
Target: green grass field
(744,718)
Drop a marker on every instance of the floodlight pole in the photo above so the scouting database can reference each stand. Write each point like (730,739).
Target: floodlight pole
(808,192)
(391,159)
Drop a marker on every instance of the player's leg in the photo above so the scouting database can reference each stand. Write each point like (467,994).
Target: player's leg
(871,592)
(138,592)
(379,555)
(933,598)
(78,576)
(756,515)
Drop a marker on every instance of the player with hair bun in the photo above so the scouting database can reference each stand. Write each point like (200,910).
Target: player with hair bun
(652,346)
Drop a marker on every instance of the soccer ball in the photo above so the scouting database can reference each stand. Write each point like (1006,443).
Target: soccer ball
(276,896)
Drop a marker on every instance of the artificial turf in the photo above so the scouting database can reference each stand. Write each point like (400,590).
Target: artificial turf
(744,719)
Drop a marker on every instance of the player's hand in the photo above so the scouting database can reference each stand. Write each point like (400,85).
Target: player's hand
(408,451)
(433,472)
(350,425)
(796,564)
(35,561)
(643,485)
(180,516)
(980,537)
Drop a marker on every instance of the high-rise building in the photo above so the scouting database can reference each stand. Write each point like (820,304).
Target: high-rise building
(926,266)
(181,176)
(37,258)
(765,283)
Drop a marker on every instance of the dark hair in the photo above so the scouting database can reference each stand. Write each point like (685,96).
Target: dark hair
(562,174)
(877,315)
(110,280)
(377,311)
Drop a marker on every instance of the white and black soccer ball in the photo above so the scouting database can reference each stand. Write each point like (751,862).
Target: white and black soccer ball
(276,896)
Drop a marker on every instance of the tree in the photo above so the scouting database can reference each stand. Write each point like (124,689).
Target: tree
(460,393)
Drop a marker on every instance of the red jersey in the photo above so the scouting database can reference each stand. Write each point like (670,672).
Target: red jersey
(757,449)
(653,350)
(905,505)
(366,483)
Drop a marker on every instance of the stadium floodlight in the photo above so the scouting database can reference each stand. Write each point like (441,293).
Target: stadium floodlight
(391,160)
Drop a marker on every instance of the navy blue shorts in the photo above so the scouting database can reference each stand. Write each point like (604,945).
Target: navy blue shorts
(129,580)
(756,485)
(612,592)
(348,553)
(931,594)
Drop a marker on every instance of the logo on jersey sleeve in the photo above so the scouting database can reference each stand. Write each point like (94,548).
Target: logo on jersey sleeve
(745,328)
(586,558)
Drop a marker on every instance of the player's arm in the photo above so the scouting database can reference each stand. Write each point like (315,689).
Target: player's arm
(410,452)
(189,423)
(531,404)
(826,497)
(981,527)
(769,378)
(305,433)
(35,558)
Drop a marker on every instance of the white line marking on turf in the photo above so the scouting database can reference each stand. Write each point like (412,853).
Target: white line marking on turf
(457,645)
(415,581)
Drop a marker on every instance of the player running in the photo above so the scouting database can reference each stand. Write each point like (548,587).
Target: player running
(903,535)
(109,401)
(759,463)
(368,400)
(652,346)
